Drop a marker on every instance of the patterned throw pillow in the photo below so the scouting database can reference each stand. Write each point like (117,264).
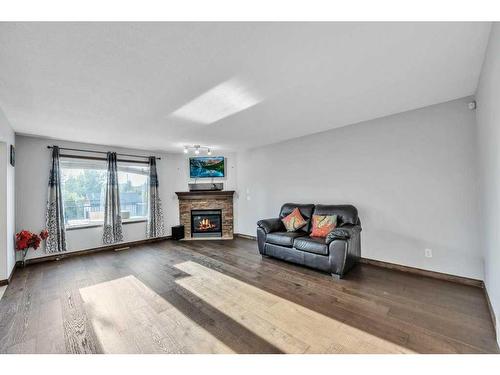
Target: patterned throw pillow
(322,225)
(294,221)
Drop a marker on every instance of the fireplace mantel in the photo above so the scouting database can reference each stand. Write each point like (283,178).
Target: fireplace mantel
(206,200)
(204,194)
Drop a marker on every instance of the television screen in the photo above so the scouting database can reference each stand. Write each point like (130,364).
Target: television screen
(206,167)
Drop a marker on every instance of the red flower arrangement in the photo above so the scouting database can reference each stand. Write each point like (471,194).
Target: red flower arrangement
(26,240)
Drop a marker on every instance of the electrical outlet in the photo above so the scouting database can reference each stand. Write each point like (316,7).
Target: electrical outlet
(428,253)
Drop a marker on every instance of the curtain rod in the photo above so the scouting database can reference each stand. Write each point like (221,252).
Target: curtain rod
(101,152)
(103,159)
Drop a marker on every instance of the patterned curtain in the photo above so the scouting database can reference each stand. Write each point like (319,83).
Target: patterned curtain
(56,242)
(155,226)
(112,214)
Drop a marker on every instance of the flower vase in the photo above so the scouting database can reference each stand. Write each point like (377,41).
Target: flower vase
(25,252)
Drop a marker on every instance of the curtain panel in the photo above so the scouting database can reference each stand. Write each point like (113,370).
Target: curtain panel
(155,225)
(56,242)
(112,230)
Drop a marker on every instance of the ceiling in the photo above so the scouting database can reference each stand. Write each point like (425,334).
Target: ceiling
(230,86)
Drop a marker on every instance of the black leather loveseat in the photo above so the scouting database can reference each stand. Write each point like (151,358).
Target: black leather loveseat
(336,254)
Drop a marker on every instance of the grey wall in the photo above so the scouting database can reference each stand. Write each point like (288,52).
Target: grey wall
(488,123)
(33,162)
(411,175)
(7,198)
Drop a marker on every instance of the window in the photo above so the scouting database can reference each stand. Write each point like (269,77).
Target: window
(133,181)
(83,183)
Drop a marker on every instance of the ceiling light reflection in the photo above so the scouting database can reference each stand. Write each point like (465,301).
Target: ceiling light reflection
(223,100)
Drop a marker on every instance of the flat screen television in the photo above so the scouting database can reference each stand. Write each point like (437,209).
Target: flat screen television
(206,167)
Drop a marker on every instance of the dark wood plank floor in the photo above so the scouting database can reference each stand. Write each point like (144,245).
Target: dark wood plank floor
(222,297)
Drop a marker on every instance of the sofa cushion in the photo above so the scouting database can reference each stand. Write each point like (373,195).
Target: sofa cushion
(316,245)
(283,238)
(346,214)
(323,224)
(294,221)
(306,210)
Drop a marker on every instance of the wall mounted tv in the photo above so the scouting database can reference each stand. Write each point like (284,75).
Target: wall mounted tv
(206,167)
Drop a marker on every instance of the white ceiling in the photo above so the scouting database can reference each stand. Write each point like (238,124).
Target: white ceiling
(122,84)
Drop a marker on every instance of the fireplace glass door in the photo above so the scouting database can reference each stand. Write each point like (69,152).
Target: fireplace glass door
(206,223)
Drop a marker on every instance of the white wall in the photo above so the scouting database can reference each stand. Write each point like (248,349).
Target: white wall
(7,198)
(179,176)
(488,123)
(33,164)
(412,177)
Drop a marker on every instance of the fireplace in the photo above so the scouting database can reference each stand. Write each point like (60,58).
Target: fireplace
(219,201)
(206,223)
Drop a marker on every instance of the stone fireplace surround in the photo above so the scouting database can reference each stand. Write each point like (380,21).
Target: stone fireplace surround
(206,200)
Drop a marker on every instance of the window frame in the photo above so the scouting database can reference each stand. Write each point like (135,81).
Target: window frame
(100,224)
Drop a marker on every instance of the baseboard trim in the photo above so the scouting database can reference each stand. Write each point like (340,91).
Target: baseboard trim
(9,279)
(246,236)
(492,312)
(120,245)
(419,271)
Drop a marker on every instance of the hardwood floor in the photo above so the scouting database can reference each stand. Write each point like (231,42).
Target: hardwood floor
(222,297)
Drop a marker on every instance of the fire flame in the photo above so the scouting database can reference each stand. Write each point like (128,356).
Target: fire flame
(206,224)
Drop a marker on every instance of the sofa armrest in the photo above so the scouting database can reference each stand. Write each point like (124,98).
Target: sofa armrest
(271,225)
(344,245)
(344,232)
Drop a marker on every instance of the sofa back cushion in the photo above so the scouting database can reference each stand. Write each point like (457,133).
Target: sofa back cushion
(306,210)
(346,213)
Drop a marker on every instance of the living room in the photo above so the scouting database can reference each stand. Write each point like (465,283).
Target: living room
(249,187)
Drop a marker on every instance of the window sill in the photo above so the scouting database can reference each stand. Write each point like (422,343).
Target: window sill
(133,221)
(88,226)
